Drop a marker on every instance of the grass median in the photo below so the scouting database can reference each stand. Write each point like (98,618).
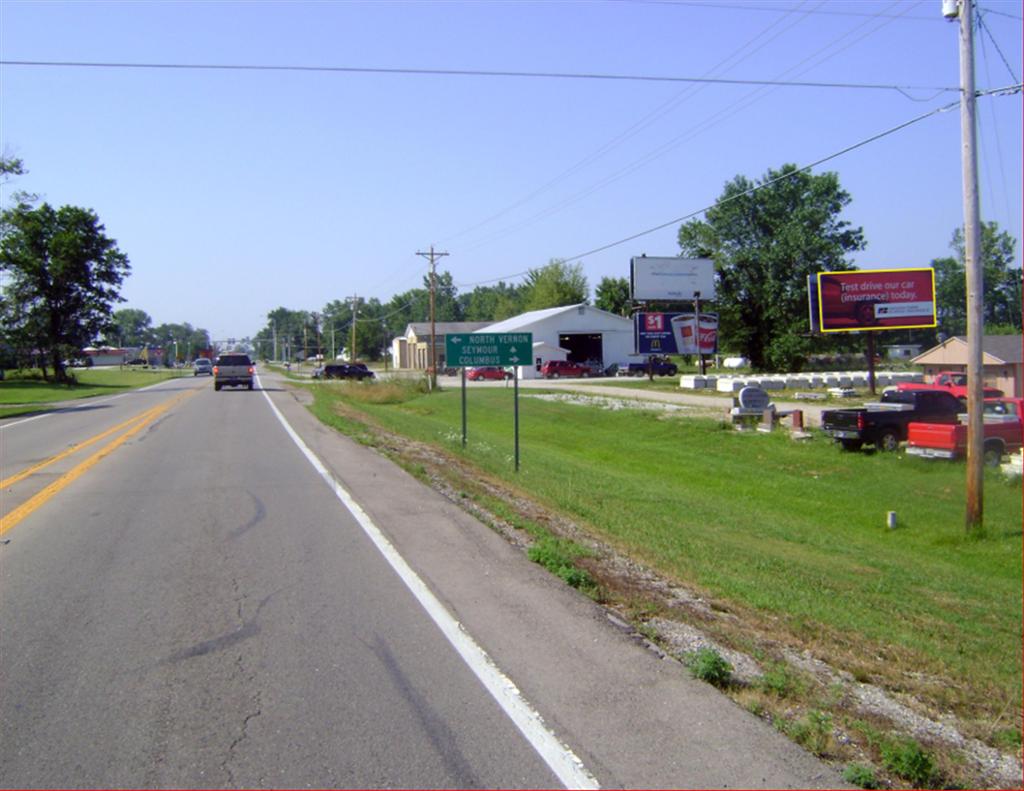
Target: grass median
(791,534)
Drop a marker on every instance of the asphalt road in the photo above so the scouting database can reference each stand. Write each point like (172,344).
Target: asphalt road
(223,593)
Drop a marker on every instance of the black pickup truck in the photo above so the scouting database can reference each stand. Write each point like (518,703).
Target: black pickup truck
(884,424)
(657,366)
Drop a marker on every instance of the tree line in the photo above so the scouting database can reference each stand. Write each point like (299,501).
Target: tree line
(765,238)
(132,327)
(329,331)
(63,278)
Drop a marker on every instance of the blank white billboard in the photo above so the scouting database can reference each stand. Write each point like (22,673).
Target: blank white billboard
(671,279)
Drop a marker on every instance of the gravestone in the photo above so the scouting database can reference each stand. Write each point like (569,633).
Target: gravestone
(753,400)
(752,405)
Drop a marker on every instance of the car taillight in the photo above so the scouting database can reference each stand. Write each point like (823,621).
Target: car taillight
(216,369)
(860,421)
(251,370)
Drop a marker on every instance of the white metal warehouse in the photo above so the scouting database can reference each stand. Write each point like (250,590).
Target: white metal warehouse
(579,333)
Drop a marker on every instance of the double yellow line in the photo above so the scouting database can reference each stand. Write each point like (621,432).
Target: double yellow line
(133,425)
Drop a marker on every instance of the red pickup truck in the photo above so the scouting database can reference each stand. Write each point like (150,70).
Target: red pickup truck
(1003,427)
(953,381)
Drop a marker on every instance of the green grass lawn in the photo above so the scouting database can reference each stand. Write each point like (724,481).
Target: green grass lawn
(794,532)
(23,392)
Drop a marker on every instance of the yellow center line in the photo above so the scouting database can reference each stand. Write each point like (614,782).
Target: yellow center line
(37,500)
(72,449)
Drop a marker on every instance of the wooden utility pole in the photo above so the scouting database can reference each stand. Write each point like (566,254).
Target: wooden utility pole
(432,256)
(972,263)
(352,345)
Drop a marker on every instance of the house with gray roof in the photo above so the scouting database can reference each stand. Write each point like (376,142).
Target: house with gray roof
(1001,359)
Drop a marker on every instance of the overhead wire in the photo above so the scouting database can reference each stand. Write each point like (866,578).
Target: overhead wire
(747,50)
(984,28)
(761,7)
(462,73)
(1012,89)
(995,126)
(822,55)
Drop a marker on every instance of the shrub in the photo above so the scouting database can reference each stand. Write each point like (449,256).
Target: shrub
(710,666)
(906,758)
(558,556)
(779,681)
(860,775)
(814,732)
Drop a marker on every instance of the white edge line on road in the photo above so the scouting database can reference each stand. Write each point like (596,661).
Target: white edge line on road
(560,759)
(85,405)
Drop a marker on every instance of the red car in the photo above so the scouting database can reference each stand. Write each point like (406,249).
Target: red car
(487,372)
(553,369)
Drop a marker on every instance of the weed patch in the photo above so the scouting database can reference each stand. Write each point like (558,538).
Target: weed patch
(907,759)
(861,775)
(559,556)
(710,666)
(813,731)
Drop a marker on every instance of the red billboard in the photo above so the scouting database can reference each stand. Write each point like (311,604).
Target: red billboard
(876,299)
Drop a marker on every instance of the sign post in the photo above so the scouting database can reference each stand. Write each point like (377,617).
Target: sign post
(492,349)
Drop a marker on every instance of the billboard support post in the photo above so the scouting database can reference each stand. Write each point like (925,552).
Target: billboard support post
(696,331)
(871,362)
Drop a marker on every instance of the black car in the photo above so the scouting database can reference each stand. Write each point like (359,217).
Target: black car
(346,371)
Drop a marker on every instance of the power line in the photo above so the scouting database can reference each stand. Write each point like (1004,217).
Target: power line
(984,27)
(742,53)
(944,109)
(763,7)
(823,54)
(466,73)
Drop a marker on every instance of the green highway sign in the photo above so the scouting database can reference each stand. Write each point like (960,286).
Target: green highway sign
(485,348)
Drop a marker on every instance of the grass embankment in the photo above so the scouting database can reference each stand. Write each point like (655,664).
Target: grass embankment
(23,392)
(789,535)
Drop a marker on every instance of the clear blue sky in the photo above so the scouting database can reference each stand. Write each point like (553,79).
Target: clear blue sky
(237,192)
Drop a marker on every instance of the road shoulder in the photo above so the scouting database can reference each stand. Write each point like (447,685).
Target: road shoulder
(635,718)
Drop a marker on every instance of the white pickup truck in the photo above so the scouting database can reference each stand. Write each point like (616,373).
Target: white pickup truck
(233,370)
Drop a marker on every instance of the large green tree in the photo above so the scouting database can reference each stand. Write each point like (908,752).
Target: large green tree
(132,327)
(555,284)
(1002,284)
(492,303)
(612,294)
(286,332)
(64,275)
(766,237)
(180,341)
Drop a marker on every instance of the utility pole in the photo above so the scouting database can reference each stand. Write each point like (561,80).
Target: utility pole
(352,345)
(972,264)
(432,256)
